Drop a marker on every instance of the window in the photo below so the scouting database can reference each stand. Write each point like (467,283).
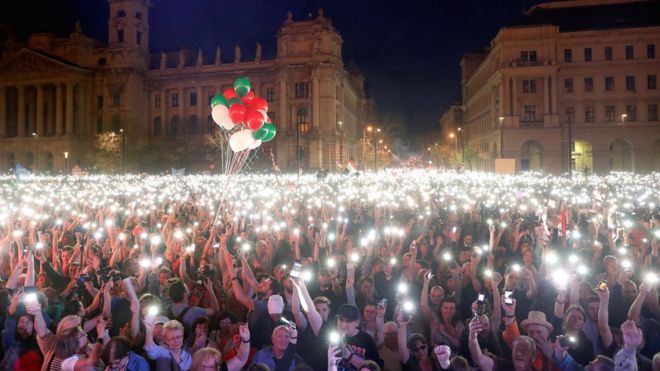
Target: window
(609,83)
(529,86)
(116,99)
(193,99)
(529,113)
(650,51)
(302,89)
(157,128)
(587,54)
(570,114)
(138,38)
(631,113)
(99,102)
(630,83)
(192,124)
(528,56)
(588,113)
(608,53)
(610,114)
(568,85)
(174,127)
(568,55)
(653,112)
(588,84)
(120,36)
(270,94)
(301,115)
(650,82)
(157,101)
(175,99)
(630,53)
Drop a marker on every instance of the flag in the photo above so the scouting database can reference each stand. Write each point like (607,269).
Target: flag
(22,173)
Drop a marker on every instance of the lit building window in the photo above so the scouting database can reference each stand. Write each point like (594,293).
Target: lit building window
(589,114)
(529,113)
(631,112)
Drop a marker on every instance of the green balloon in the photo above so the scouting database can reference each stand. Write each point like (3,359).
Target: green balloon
(272,130)
(219,99)
(242,86)
(261,133)
(234,101)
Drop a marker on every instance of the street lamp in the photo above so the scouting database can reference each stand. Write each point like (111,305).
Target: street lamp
(455,138)
(376,150)
(123,151)
(36,153)
(460,131)
(340,128)
(364,145)
(66,166)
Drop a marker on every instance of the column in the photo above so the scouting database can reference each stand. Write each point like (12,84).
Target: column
(59,124)
(201,118)
(40,110)
(21,110)
(3,112)
(69,108)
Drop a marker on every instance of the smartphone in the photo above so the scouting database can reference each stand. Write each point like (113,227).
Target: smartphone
(287,322)
(295,270)
(382,303)
(481,305)
(508,300)
(567,341)
(602,285)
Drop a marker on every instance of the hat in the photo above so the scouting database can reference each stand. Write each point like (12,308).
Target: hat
(275,304)
(349,312)
(536,318)
(160,319)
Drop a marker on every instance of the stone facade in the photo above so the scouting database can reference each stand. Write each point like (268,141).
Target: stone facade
(542,73)
(66,90)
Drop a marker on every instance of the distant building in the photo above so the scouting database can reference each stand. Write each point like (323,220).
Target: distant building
(450,121)
(593,64)
(68,89)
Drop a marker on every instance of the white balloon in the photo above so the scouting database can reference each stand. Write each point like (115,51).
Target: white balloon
(220,115)
(255,143)
(241,140)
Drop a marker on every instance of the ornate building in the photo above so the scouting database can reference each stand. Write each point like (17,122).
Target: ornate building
(590,65)
(57,94)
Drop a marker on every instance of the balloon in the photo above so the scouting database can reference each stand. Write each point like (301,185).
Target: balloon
(248,100)
(265,115)
(260,134)
(220,115)
(272,130)
(241,140)
(219,99)
(229,94)
(259,104)
(255,144)
(242,86)
(235,100)
(255,120)
(237,113)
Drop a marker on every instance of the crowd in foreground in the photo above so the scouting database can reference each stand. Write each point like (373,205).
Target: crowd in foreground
(401,270)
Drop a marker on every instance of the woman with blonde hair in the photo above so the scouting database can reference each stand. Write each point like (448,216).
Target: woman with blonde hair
(210,359)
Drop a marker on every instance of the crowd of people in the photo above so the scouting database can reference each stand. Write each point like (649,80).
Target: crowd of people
(399,270)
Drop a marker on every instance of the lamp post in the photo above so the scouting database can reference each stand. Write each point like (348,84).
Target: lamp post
(340,126)
(376,150)
(123,151)
(570,147)
(302,127)
(36,153)
(66,166)
(364,146)
(460,131)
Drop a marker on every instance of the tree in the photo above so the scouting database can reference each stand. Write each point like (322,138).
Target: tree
(106,153)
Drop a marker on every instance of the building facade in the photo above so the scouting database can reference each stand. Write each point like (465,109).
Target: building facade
(58,93)
(590,66)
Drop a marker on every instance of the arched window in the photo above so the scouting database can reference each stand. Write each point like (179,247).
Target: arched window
(121,14)
(192,124)
(138,15)
(174,126)
(301,115)
(157,126)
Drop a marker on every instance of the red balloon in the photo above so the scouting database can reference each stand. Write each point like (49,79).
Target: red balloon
(237,114)
(255,120)
(248,100)
(259,104)
(229,94)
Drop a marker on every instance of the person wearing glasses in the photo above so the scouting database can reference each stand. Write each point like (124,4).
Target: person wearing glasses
(415,354)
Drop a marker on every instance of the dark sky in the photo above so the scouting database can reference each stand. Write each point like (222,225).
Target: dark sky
(409,51)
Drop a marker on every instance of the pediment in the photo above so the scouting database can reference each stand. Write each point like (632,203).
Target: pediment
(28,60)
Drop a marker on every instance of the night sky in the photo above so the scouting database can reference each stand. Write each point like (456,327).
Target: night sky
(409,51)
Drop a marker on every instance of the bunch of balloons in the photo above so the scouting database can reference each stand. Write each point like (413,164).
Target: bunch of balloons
(240,111)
